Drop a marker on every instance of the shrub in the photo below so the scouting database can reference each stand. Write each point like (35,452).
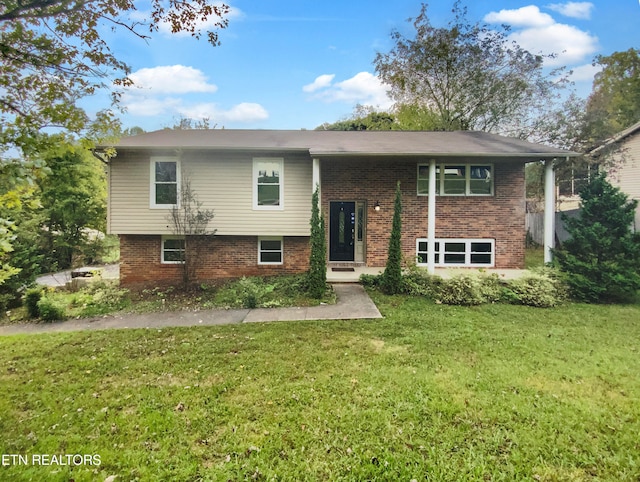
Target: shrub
(317,275)
(418,282)
(463,289)
(50,310)
(105,297)
(370,280)
(469,290)
(391,282)
(602,255)
(31,299)
(541,288)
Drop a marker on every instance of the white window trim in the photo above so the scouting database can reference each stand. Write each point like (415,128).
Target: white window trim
(163,239)
(467,187)
(152,181)
(467,252)
(254,180)
(271,238)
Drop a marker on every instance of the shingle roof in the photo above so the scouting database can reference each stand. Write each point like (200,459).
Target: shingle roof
(620,136)
(345,143)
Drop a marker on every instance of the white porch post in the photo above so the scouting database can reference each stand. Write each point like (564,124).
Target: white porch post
(315,177)
(549,209)
(431,219)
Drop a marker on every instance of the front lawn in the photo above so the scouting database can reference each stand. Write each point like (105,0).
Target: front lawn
(431,392)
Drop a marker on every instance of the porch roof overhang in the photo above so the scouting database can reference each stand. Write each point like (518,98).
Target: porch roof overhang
(323,144)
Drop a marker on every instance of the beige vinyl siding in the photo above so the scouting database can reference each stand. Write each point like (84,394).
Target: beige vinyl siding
(224,183)
(626,175)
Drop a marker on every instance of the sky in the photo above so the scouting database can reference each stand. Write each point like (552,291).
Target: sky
(295,64)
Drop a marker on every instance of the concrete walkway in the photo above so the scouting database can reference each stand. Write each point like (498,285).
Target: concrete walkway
(353,303)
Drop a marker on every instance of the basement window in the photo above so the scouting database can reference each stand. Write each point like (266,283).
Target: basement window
(270,250)
(173,248)
(458,252)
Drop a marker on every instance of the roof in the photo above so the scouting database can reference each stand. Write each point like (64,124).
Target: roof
(620,136)
(346,143)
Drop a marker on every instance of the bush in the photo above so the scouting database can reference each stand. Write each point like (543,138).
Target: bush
(469,290)
(31,299)
(418,282)
(542,289)
(50,310)
(104,297)
(464,289)
(370,280)
(391,282)
(602,256)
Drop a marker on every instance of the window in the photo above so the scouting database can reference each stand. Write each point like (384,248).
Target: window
(458,252)
(270,250)
(267,179)
(458,179)
(172,250)
(165,176)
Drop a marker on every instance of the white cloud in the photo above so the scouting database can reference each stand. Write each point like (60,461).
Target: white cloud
(363,88)
(321,82)
(584,73)
(145,106)
(242,113)
(539,33)
(530,16)
(159,91)
(580,10)
(171,79)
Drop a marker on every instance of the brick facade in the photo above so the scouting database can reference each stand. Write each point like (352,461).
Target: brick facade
(221,257)
(500,217)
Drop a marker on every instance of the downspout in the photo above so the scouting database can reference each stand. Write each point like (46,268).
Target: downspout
(549,209)
(431,219)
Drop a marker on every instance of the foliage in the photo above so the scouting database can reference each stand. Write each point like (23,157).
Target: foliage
(463,290)
(73,197)
(602,256)
(391,281)
(364,118)
(468,76)
(20,220)
(191,222)
(266,292)
(50,310)
(542,288)
(317,277)
(614,103)
(56,52)
(31,299)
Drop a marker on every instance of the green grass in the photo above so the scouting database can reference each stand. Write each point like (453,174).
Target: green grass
(534,257)
(431,392)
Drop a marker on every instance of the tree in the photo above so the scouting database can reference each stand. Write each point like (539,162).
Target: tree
(317,276)
(614,103)
(468,76)
(364,118)
(74,204)
(391,281)
(602,256)
(20,253)
(53,53)
(191,224)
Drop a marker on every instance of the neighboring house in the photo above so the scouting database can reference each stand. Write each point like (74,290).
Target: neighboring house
(624,152)
(260,182)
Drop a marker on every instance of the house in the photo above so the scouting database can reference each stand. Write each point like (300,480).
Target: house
(624,173)
(463,194)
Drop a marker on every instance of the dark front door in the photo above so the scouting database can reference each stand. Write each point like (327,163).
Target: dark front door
(342,224)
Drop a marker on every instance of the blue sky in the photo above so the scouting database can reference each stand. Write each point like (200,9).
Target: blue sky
(292,64)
